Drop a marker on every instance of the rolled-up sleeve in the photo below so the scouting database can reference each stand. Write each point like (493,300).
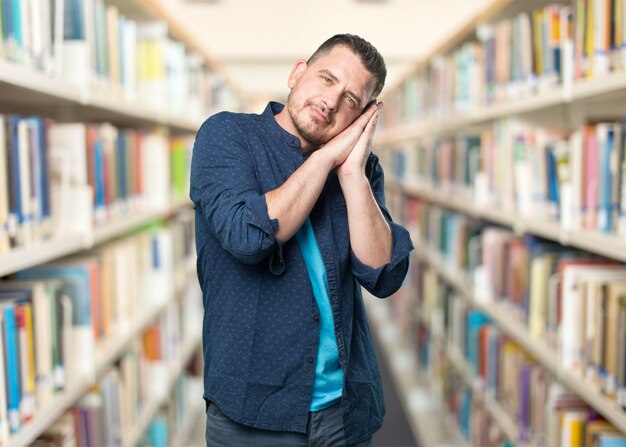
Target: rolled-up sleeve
(386,279)
(225,188)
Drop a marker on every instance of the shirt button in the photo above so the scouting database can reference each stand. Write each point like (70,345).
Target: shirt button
(316,317)
(310,360)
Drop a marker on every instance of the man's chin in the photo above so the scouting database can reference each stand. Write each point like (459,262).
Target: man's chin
(315,139)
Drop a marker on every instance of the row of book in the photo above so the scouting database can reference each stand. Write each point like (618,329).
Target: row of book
(66,178)
(93,44)
(572,300)
(484,378)
(57,316)
(111,411)
(577,179)
(516,57)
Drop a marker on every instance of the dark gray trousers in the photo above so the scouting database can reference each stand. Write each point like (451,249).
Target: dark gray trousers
(325,429)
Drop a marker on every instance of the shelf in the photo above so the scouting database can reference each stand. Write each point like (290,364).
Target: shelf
(49,413)
(608,88)
(150,410)
(183,437)
(176,22)
(548,358)
(49,250)
(40,252)
(23,89)
(607,245)
(107,352)
(493,407)
(127,223)
(425,414)
(594,89)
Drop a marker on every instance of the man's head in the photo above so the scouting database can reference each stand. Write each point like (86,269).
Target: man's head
(332,88)
(369,55)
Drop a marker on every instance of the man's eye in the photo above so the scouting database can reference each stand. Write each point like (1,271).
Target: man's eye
(326,79)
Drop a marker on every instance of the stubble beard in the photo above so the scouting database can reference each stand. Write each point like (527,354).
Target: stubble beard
(304,126)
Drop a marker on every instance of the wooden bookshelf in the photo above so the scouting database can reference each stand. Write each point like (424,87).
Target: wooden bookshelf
(452,353)
(595,242)
(48,94)
(151,408)
(107,353)
(26,91)
(55,248)
(196,419)
(433,116)
(130,223)
(426,416)
(501,314)
(501,417)
(608,90)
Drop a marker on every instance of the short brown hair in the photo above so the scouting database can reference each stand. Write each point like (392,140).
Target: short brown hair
(369,55)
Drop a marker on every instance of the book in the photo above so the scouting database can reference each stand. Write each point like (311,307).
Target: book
(4,417)
(573,325)
(44,299)
(4,188)
(75,277)
(12,366)
(24,318)
(75,47)
(70,195)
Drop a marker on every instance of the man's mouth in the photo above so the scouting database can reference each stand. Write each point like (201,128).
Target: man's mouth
(320,115)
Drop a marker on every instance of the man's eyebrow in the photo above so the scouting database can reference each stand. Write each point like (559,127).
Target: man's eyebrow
(329,74)
(356,97)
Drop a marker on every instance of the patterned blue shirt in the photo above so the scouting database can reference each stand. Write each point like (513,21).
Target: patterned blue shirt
(261,322)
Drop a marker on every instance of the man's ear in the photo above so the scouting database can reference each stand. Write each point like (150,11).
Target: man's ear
(296,72)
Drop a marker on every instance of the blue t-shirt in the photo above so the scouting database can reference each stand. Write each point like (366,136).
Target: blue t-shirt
(328,384)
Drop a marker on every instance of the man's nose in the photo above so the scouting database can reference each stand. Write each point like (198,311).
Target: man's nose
(331,99)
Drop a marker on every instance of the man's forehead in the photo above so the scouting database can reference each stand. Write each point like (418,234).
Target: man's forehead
(342,61)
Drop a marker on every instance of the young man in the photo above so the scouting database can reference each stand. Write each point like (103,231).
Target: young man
(290,222)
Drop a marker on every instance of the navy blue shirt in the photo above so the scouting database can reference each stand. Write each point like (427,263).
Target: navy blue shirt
(261,321)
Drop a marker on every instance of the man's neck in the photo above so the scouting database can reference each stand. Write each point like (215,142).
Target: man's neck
(284,120)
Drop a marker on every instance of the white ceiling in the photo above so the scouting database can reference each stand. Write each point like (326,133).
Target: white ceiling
(257,41)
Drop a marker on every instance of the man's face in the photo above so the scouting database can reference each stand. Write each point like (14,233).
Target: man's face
(328,95)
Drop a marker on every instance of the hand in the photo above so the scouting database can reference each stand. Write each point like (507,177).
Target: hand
(340,147)
(354,164)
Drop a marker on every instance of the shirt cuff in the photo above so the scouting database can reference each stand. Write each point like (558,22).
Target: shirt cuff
(259,217)
(401,246)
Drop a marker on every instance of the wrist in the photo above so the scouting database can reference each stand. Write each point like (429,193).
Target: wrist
(352,179)
(323,160)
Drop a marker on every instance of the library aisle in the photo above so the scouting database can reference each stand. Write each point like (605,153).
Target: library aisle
(396,430)
(503,140)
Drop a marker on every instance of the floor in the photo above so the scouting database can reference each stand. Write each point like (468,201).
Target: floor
(396,431)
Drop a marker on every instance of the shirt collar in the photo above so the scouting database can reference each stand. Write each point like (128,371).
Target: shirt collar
(268,115)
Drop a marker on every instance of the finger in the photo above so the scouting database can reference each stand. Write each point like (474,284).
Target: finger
(363,119)
(365,141)
(371,124)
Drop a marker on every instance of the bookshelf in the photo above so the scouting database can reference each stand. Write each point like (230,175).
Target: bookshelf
(153,406)
(499,71)
(585,94)
(418,405)
(549,359)
(25,91)
(136,103)
(22,258)
(106,355)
